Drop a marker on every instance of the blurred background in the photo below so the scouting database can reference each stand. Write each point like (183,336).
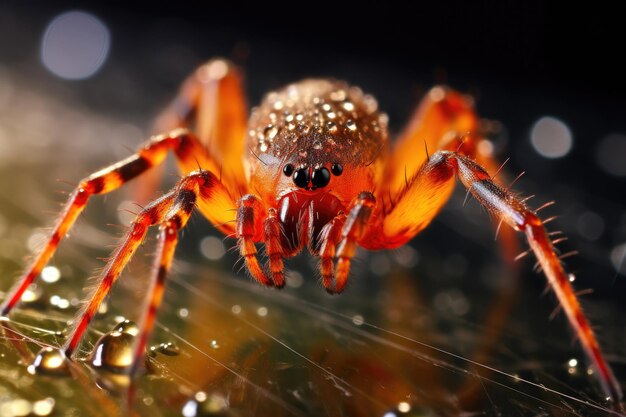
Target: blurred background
(420,330)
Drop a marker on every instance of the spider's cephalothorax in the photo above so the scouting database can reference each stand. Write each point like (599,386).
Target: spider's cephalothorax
(315,170)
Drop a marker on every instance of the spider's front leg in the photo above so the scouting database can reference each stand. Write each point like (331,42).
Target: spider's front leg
(172,212)
(104,181)
(427,192)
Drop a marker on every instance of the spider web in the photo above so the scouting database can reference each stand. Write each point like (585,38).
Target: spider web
(418,331)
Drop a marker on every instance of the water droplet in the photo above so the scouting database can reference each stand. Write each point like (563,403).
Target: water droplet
(32,295)
(348,106)
(49,361)
(291,126)
(299,117)
(371,105)
(127,326)
(279,105)
(263,147)
(332,127)
(166,348)
(262,311)
(317,145)
(331,115)
(183,313)
(214,344)
(202,404)
(270,132)
(358,320)
(50,274)
(289,117)
(350,124)
(236,309)
(43,407)
(326,107)
(113,352)
(338,95)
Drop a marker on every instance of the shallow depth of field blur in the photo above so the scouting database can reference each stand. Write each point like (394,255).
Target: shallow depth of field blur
(439,327)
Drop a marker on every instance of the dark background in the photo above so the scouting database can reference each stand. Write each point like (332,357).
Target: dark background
(521,60)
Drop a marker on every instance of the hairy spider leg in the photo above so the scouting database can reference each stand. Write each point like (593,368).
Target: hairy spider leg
(211,102)
(185,146)
(212,97)
(250,216)
(353,230)
(274,248)
(171,211)
(446,120)
(430,188)
(330,236)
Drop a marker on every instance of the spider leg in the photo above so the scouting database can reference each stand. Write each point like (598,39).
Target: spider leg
(330,236)
(442,119)
(506,206)
(429,190)
(104,181)
(250,230)
(211,102)
(353,230)
(172,211)
(274,249)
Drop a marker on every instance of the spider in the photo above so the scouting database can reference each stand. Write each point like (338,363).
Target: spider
(313,167)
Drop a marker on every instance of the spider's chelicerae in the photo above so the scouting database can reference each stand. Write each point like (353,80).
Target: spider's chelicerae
(311,168)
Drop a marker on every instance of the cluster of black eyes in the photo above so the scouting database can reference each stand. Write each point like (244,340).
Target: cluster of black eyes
(319,178)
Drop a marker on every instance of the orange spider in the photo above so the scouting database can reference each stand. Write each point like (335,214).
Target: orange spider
(312,168)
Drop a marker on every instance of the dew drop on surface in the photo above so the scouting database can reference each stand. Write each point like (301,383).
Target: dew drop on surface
(317,145)
(205,405)
(270,132)
(350,124)
(16,408)
(236,309)
(49,361)
(127,326)
(183,313)
(50,274)
(32,295)
(262,311)
(348,106)
(214,344)
(113,351)
(43,407)
(166,348)
(358,320)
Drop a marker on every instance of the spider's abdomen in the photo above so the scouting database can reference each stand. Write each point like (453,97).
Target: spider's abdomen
(312,124)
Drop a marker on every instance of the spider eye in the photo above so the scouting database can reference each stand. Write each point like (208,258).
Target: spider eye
(320,178)
(336,169)
(301,178)
(288,170)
